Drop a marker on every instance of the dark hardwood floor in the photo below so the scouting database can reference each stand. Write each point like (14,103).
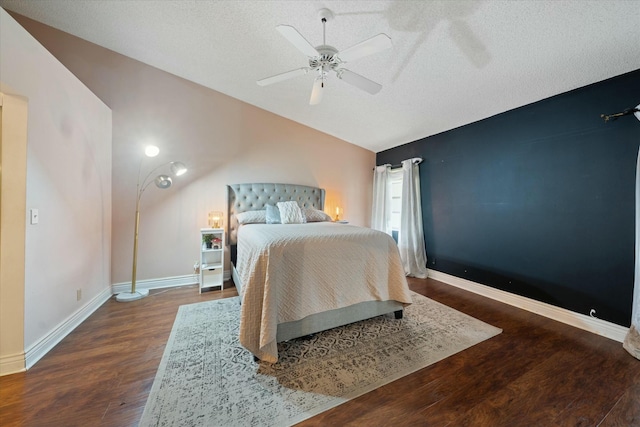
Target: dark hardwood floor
(538,372)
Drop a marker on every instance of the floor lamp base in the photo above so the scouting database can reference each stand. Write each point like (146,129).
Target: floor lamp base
(132,296)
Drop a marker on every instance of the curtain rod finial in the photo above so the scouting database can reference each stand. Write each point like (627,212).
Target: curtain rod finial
(635,111)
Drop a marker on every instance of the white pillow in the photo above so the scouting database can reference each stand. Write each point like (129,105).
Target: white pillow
(314,215)
(252,217)
(290,213)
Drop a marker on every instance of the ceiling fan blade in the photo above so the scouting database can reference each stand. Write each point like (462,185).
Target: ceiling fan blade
(282,76)
(316,93)
(368,47)
(359,81)
(296,39)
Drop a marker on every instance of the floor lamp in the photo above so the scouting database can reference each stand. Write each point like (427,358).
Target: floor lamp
(161,181)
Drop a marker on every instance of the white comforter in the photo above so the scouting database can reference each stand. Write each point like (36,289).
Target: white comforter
(290,271)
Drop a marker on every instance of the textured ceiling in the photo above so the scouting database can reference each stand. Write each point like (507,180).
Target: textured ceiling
(452,62)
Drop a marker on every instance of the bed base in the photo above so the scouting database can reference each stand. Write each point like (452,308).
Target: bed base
(294,328)
(338,317)
(329,319)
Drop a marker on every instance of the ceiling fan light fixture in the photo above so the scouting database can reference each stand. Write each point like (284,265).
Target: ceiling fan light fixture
(316,92)
(325,58)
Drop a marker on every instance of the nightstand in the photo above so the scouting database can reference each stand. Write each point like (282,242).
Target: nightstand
(211,258)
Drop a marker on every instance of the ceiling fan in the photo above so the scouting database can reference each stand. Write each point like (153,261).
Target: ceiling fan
(324,59)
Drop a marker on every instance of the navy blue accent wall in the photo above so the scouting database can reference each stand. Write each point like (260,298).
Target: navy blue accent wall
(538,201)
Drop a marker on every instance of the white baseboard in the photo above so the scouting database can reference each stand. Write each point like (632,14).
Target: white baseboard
(21,362)
(36,351)
(163,282)
(12,364)
(582,321)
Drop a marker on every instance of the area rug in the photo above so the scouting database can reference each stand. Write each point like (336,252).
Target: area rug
(206,378)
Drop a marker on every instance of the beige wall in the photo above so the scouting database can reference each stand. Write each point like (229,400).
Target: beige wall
(220,139)
(68,179)
(13,189)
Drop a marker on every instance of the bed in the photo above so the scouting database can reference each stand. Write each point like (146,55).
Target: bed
(297,279)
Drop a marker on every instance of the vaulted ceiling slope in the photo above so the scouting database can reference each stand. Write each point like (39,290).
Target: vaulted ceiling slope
(452,62)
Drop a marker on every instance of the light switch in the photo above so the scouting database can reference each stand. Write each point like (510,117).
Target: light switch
(34,216)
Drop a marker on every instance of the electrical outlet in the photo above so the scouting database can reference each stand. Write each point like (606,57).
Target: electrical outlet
(78,294)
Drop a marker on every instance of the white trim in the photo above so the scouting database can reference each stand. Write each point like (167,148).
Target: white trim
(12,363)
(582,321)
(36,351)
(163,282)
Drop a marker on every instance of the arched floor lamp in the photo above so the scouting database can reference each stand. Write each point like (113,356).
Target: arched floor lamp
(161,181)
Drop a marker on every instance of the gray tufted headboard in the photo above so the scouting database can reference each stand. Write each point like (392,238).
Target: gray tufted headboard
(253,197)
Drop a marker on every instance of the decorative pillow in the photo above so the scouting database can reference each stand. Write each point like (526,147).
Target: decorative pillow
(290,213)
(273,214)
(314,215)
(252,217)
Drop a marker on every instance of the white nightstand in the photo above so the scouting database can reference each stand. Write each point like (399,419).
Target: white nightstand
(211,258)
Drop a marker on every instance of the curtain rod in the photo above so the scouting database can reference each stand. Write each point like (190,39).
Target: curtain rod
(416,160)
(626,112)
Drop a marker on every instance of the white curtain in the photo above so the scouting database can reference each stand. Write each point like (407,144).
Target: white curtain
(411,236)
(381,208)
(632,340)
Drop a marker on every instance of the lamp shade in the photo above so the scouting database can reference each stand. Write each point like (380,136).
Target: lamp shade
(178,168)
(151,151)
(163,181)
(215,219)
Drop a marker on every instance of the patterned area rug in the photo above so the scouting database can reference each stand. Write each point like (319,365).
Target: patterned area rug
(206,378)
